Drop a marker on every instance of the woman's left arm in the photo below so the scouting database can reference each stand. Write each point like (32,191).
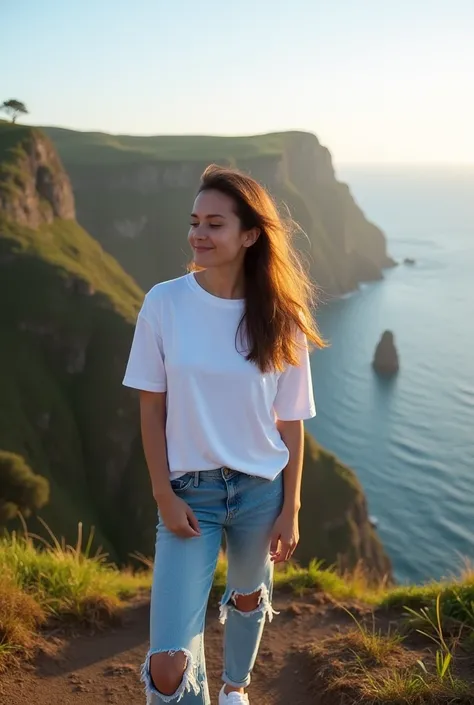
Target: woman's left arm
(285,534)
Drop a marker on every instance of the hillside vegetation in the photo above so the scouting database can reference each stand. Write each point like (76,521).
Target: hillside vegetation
(66,315)
(99,147)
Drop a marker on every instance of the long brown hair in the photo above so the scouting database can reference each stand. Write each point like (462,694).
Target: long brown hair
(279,295)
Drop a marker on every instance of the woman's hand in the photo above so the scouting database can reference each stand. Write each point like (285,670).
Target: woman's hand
(178,516)
(285,536)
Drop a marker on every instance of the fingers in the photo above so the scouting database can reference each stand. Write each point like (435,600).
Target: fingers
(280,557)
(187,529)
(274,547)
(193,523)
(286,551)
(185,532)
(182,521)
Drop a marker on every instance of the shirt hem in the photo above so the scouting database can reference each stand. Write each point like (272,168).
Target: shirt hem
(297,417)
(144,386)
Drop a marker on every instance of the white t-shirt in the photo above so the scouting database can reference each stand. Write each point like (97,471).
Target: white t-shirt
(221,409)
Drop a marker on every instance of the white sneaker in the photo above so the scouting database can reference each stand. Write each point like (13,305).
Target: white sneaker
(233,698)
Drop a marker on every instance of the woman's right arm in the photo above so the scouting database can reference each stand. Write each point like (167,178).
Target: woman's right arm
(153,423)
(176,514)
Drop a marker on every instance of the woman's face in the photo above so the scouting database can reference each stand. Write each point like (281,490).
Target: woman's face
(216,234)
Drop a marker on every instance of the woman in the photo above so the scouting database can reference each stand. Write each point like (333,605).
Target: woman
(221,358)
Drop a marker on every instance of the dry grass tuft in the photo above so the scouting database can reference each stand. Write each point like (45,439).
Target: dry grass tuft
(367,668)
(55,583)
(20,618)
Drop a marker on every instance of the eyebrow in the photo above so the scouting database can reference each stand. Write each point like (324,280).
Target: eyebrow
(211,215)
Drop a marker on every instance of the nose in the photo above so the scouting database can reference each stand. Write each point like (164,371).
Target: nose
(200,233)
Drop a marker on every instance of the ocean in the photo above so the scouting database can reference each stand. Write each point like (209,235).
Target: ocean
(410,440)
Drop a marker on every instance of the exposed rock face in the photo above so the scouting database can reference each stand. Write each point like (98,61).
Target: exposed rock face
(385,360)
(334,520)
(355,248)
(138,207)
(39,189)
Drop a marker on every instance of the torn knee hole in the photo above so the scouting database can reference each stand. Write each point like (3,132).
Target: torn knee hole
(167,671)
(247,603)
(169,674)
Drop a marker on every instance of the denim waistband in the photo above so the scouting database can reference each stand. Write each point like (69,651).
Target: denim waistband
(217,474)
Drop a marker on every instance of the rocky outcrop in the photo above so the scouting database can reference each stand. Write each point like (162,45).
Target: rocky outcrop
(134,198)
(355,248)
(385,360)
(34,187)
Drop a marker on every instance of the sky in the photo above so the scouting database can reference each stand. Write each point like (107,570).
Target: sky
(376,81)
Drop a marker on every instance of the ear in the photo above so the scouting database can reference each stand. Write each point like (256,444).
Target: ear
(251,237)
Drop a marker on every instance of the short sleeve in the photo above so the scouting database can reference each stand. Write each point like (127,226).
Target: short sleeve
(145,368)
(295,398)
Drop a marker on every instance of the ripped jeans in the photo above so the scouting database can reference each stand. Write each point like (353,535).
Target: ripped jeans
(245,508)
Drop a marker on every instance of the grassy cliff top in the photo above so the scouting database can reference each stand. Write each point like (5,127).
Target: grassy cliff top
(63,245)
(103,148)
(70,251)
(14,141)
(11,135)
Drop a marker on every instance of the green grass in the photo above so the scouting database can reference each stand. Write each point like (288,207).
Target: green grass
(71,253)
(365,667)
(11,137)
(14,142)
(410,687)
(456,598)
(44,581)
(354,585)
(64,579)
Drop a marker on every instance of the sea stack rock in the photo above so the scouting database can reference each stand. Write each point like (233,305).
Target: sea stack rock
(385,360)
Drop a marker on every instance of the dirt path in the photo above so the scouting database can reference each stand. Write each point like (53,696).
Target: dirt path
(103,669)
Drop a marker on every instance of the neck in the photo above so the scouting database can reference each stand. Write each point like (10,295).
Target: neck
(225,282)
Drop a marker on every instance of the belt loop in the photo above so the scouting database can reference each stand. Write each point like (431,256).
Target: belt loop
(196,479)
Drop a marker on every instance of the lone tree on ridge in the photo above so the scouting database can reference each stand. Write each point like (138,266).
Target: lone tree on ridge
(14,108)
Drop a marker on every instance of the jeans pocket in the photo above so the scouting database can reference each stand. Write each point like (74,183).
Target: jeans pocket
(180,484)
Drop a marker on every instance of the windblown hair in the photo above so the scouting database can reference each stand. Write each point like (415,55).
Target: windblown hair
(279,295)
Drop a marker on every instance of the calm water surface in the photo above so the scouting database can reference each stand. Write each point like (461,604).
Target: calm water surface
(411,440)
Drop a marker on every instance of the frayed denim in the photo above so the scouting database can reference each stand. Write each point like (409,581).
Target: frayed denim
(244,508)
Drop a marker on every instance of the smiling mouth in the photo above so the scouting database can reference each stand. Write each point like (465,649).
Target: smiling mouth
(202,249)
